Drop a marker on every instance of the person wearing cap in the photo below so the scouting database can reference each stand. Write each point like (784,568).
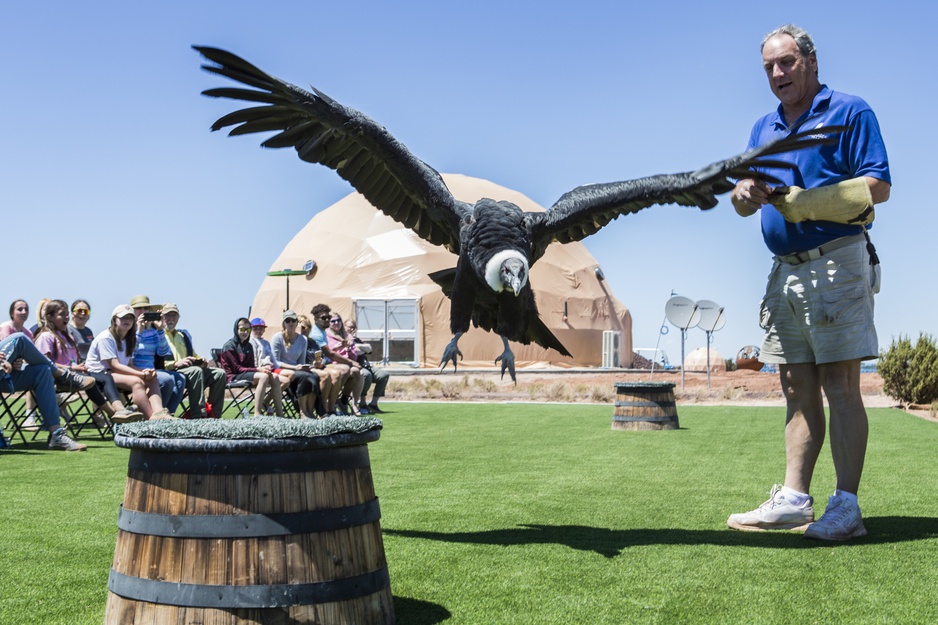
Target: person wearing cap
(112,351)
(192,367)
(152,351)
(16,351)
(289,349)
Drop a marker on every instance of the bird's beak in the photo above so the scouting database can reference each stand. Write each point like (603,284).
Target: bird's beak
(515,285)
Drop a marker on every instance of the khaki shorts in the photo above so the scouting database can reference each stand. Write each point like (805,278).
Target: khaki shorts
(820,311)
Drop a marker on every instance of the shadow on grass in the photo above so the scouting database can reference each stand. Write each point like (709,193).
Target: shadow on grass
(611,543)
(417,612)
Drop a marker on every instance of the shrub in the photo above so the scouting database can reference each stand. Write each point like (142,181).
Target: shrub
(910,373)
(558,392)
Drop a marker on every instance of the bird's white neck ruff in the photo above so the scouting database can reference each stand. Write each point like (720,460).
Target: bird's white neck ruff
(493,269)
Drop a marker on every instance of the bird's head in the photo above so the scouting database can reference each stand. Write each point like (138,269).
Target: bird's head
(507,271)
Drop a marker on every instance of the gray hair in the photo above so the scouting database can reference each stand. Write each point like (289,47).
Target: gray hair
(802,39)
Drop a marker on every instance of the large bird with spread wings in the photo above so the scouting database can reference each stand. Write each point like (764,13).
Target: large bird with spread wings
(496,242)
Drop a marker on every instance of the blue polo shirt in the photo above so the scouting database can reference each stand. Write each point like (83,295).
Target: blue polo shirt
(858,152)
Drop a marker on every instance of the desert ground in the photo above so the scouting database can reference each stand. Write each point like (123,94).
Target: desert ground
(598,386)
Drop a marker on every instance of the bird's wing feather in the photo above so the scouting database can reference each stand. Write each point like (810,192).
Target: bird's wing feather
(586,209)
(361,151)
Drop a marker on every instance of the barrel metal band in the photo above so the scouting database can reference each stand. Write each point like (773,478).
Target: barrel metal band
(239,463)
(248,525)
(645,404)
(255,596)
(643,419)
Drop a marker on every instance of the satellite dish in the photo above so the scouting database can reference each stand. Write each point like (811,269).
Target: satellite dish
(682,312)
(711,316)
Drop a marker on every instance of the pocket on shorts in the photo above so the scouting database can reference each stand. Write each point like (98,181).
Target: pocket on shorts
(842,306)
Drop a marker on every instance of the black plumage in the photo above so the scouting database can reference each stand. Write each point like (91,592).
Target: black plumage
(496,241)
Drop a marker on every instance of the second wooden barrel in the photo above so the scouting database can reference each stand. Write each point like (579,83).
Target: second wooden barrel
(645,406)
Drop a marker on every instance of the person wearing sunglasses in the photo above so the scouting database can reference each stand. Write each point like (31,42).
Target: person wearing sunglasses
(78,327)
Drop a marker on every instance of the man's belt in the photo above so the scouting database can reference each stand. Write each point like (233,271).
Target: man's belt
(813,254)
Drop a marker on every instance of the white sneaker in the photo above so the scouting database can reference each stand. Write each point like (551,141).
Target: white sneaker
(30,423)
(841,521)
(775,514)
(60,440)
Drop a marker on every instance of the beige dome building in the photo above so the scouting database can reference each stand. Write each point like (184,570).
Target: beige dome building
(371,268)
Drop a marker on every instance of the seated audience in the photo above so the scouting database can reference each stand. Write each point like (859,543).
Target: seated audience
(78,327)
(289,348)
(152,350)
(370,374)
(19,314)
(193,368)
(39,377)
(237,359)
(112,352)
(54,341)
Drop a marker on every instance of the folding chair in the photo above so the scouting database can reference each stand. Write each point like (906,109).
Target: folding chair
(290,406)
(77,411)
(13,408)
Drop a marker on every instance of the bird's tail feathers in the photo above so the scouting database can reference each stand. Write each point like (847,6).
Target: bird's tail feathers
(541,334)
(445,278)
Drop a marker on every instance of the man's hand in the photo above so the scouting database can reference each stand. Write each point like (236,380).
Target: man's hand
(749,196)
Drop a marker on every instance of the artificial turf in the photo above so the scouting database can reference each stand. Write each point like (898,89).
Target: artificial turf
(541,513)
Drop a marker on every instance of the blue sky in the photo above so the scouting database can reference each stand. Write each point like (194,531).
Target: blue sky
(112,184)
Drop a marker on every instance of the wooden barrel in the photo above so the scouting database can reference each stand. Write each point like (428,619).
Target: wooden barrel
(249,531)
(645,406)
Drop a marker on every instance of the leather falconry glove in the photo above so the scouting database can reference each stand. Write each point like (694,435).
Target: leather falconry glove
(847,202)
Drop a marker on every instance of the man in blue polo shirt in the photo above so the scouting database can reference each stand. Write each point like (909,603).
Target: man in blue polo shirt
(818,308)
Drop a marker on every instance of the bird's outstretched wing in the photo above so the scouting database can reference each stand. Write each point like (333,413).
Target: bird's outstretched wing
(323,131)
(586,209)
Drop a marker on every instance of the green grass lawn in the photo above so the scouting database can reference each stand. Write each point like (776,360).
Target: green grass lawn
(534,513)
